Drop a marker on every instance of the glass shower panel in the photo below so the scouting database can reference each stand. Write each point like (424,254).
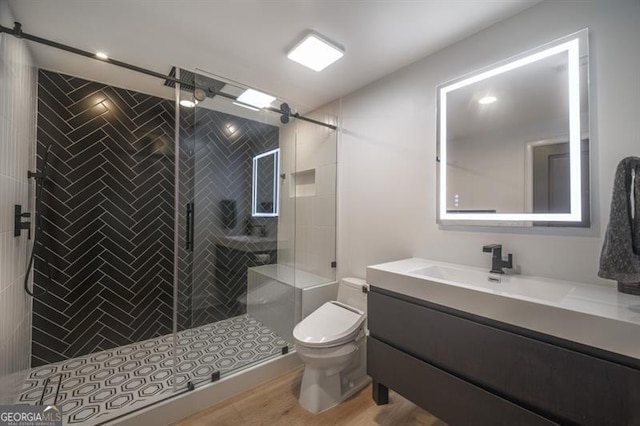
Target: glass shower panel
(313,189)
(98,338)
(186,121)
(233,208)
(104,268)
(100,322)
(310,192)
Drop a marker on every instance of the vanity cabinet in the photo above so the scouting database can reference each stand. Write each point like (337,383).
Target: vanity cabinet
(470,370)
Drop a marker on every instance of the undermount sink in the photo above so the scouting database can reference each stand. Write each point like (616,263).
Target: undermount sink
(509,285)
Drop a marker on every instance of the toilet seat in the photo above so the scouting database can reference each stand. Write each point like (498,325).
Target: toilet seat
(332,324)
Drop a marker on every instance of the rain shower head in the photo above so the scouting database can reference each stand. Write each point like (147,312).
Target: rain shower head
(206,86)
(186,76)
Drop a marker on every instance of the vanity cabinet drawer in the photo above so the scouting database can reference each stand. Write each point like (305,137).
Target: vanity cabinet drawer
(442,394)
(560,384)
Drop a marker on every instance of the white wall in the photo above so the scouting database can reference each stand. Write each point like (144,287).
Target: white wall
(386,172)
(17,143)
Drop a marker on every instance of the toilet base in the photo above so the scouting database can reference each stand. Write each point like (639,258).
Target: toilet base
(318,391)
(324,388)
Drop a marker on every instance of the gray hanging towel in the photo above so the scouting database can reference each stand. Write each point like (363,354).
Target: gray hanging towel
(620,256)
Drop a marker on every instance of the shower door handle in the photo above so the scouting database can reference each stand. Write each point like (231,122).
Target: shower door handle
(192,227)
(189,230)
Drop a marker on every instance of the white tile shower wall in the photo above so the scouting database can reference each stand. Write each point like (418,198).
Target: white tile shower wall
(17,136)
(387,173)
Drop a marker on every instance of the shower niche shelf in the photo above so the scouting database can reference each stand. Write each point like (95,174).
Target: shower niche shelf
(303,183)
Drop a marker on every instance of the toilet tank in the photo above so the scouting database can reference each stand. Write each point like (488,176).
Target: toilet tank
(350,292)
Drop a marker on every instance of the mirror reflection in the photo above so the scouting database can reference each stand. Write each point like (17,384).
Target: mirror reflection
(266,172)
(515,142)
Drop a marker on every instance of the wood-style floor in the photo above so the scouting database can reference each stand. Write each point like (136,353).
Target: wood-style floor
(276,403)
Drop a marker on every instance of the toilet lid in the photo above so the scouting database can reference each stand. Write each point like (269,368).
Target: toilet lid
(329,325)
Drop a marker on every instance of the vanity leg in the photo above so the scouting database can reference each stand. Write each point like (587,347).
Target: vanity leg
(380,393)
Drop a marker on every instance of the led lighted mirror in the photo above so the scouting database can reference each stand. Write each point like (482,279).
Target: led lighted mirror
(513,140)
(265,187)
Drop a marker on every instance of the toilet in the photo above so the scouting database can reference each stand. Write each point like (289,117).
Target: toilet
(332,344)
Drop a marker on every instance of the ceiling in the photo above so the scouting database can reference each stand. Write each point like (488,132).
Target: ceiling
(247,40)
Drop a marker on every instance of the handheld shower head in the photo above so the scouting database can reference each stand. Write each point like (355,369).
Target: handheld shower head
(45,164)
(40,178)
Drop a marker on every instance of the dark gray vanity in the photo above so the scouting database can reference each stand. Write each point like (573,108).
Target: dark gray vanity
(475,349)
(471,369)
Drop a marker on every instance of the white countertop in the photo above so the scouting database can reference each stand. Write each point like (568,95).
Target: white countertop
(593,315)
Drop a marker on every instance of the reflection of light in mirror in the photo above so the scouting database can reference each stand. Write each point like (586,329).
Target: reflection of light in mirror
(187,103)
(275,172)
(572,49)
(256,98)
(231,129)
(240,104)
(487,100)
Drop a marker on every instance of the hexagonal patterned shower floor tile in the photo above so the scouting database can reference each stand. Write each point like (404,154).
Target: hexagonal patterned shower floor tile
(101,386)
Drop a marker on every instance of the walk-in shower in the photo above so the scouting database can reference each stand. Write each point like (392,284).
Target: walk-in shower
(173,245)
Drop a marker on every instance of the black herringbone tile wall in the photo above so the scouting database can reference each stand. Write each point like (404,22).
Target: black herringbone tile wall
(224,149)
(107,218)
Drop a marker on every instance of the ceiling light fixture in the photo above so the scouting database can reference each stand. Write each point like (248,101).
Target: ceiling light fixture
(315,52)
(189,101)
(101,55)
(255,98)
(240,104)
(487,100)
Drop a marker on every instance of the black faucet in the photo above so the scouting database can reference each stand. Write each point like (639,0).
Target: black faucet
(497,262)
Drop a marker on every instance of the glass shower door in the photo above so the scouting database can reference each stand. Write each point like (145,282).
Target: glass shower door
(231,199)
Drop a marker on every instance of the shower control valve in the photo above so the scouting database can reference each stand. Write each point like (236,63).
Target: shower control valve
(19,225)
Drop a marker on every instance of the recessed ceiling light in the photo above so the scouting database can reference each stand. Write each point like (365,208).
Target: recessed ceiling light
(101,55)
(255,98)
(487,100)
(316,53)
(246,106)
